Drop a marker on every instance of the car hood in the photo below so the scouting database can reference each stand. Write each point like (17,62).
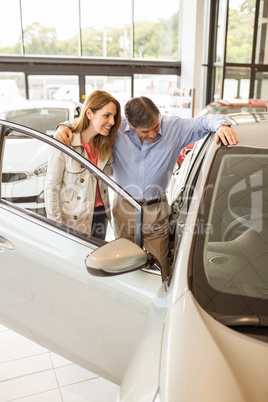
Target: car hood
(206,361)
(17,149)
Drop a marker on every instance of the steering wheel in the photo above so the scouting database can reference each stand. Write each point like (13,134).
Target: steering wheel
(241,224)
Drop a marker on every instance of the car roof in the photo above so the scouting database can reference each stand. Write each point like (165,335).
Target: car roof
(248,117)
(239,102)
(251,128)
(30,104)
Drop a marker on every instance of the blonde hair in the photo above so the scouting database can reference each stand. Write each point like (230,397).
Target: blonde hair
(96,101)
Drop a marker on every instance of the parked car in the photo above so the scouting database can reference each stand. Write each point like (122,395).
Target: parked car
(199,336)
(227,107)
(236,106)
(24,183)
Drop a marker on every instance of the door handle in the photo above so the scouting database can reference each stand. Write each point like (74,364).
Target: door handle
(4,243)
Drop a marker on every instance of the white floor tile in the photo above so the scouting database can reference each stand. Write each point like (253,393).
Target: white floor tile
(72,374)
(25,366)
(14,346)
(97,390)
(27,385)
(58,361)
(30,373)
(49,396)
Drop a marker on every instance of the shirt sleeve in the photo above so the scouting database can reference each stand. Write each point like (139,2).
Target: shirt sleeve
(189,130)
(65,123)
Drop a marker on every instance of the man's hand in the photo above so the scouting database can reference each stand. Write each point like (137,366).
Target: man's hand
(64,134)
(227,135)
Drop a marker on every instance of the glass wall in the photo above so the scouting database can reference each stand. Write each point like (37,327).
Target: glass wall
(244,55)
(54,87)
(160,88)
(148,30)
(218,83)
(156,29)
(104,32)
(220,33)
(12,87)
(236,83)
(52,29)
(119,87)
(240,31)
(261,85)
(10,28)
(262,34)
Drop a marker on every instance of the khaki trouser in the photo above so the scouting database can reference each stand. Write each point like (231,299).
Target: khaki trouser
(155,228)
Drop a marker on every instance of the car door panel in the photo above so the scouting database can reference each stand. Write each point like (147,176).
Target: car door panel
(47,294)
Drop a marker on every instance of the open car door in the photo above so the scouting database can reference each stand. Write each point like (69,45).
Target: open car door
(88,310)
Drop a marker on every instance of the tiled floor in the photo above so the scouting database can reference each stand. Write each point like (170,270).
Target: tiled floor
(30,373)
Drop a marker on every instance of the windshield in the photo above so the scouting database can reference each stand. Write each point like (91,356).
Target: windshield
(43,119)
(230,259)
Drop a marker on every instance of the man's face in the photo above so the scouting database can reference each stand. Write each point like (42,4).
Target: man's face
(149,133)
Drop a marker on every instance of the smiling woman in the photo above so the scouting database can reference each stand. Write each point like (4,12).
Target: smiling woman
(74,197)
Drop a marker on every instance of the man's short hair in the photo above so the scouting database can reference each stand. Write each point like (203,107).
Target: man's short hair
(141,112)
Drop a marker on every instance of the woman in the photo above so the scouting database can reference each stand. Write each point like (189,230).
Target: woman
(74,197)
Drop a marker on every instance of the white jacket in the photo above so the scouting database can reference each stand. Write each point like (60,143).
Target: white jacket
(70,189)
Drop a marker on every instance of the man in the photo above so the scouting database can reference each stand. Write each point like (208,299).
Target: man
(145,152)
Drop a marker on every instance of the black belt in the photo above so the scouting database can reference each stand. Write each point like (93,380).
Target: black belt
(154,201)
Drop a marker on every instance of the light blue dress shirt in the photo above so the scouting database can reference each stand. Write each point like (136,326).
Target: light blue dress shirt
(145,169)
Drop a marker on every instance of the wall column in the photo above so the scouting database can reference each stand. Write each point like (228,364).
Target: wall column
(193,48)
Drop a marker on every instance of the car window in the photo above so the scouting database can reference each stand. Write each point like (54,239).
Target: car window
(41,119)
(31,173)
(230,259)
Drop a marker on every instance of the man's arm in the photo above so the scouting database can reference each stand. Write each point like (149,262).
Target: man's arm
(64,133)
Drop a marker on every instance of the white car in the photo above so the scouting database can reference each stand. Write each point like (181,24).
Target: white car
(24,182)
(199,336)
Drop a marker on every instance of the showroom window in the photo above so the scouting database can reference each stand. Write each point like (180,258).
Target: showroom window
(65,49)
(261,85)
(104,32)
(119,87)
(12,87)
(240,31)
(236,83)
(54,87)
(10,29)
(52,29)
(156,29)
(262,39)
(149,30)
(238,58)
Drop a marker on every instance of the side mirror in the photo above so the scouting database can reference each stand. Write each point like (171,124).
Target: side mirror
(120,256)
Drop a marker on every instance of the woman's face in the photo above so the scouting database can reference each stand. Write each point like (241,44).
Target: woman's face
(103,119)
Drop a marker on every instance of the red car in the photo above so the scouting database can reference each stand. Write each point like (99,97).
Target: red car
(226,107)
(235,106)
(183,154)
